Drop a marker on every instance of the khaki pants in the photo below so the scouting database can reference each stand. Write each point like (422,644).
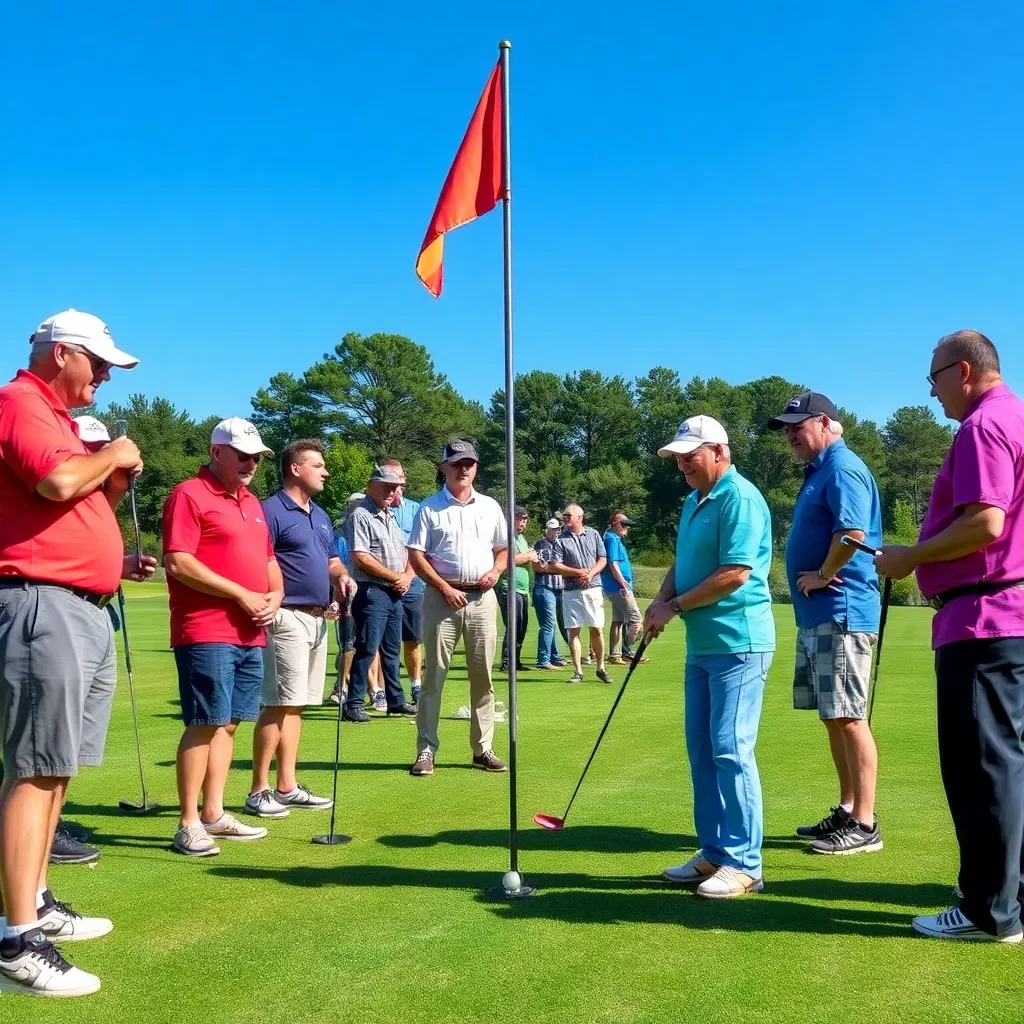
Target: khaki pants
(442,628)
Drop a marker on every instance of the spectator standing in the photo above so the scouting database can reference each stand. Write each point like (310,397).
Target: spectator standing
(617,581)
(547,600)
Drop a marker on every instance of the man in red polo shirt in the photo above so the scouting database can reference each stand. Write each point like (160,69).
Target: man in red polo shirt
(61,558)
(225,585)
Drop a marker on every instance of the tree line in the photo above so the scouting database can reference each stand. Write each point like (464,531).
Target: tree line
(584,436)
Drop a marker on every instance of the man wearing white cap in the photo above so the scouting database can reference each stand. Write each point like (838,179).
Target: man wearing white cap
(719,586)
(61,560)
(547,600)
(225,587)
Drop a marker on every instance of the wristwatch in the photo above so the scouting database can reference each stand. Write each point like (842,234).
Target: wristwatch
(674,605)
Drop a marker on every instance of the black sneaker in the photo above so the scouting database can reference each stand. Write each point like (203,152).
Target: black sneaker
(603,676)
(68,850)
(75,830)
(402,710)
(835,818)
(851,837)
(357,715)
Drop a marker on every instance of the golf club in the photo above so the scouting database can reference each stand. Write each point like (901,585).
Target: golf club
(127,805)
(886,594)
(549,821)
(122,431)
(333,838)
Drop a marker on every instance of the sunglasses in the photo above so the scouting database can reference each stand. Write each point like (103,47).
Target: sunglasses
(942,369)
(245,457)
(98,365)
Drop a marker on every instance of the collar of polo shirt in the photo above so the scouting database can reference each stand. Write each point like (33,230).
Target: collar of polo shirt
(450,498)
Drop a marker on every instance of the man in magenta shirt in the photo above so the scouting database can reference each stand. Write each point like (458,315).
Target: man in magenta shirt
(969,562)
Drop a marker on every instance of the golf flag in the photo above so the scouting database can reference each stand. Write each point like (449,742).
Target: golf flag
(474,183)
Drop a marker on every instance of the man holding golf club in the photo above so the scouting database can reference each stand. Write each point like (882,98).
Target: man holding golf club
(295,661)
(225,587)
(835,601)
(459,548)
(61,560)
(719,586)
(969,562)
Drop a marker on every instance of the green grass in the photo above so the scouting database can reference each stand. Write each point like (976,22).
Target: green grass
(393,926)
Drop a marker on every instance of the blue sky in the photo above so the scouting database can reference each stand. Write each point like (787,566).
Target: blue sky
(815,190)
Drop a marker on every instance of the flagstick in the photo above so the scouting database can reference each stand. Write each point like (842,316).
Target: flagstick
(511,887)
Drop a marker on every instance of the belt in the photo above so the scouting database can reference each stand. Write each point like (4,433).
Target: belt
(466,588)
(316,610)
(980,589)
(99,600)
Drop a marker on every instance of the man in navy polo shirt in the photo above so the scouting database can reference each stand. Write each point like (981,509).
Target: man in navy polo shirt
(835,600)
(295,668)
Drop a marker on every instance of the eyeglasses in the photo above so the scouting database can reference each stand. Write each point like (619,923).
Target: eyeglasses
(942,369)
(245,456)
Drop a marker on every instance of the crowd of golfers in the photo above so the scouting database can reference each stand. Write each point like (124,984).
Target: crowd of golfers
(255,588)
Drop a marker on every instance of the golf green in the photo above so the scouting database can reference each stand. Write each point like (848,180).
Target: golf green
(394,926)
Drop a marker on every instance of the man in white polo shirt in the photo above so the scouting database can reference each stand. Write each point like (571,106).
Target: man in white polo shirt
(458,546)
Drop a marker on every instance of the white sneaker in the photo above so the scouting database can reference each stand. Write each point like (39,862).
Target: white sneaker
(35,968)
(59,923)
(951,924)
(195,841)
(380,701)
(695,870)
(728,883)
(229,827)
(265,805)
(301,797)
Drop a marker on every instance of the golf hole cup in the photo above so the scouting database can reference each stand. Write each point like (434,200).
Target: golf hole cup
(512,882)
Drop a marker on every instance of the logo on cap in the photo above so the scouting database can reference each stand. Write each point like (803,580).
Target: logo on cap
(458,446)
(794,403)
(684,428)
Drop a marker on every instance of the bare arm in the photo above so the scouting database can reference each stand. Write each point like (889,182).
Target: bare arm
(187,569)
(617,575)
(721,583)
(82,474)
(838,555)
(368,564)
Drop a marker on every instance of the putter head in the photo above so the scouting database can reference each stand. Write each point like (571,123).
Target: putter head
(549,821)
(129,807)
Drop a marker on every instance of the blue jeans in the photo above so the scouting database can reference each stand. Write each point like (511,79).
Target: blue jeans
(377,613)
(546,604)
(723,707)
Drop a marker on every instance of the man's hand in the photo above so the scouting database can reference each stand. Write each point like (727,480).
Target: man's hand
(808,582)
(626,591)
(403,583)
(455,598)
(487,581)
(267,616)
(659,615)
(131,570)
(532,556)
(332,612)
(126,455)
(896,561)
(254,605)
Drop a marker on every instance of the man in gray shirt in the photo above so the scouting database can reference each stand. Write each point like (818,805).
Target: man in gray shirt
(380,567)
(579,557)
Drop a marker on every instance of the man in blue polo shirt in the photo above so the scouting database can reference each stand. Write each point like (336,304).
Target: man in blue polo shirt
(617,581)
(836,604)
(295,666)
(719,586)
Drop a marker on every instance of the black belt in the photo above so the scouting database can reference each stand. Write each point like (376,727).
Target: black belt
(979,589)
(100,600)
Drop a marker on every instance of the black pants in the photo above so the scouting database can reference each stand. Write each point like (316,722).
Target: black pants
(981,754)
(522,621)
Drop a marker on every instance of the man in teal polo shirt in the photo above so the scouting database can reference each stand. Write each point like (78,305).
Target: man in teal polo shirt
(719,586)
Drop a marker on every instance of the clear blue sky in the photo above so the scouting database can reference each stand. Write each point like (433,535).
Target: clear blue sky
(815,190)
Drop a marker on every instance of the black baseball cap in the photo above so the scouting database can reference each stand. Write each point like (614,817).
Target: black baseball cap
(457,451)
(803,407)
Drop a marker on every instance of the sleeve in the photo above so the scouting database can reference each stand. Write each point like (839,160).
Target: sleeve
(32,443)
(420,530)
(271,520)
(848,495)
(740,530)
(984,466)
(182,525)
(341,547)
(270,545)
(500,539)
(614,551)
(360,537)
(602,550)
(556,553)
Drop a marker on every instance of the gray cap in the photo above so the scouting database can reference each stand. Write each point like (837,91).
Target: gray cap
(552,524)
(386,475)
(456,451)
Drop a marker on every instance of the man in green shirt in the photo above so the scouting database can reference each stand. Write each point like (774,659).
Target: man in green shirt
(524,556)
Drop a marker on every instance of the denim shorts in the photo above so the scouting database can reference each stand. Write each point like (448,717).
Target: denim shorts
(219,683)
(412,618)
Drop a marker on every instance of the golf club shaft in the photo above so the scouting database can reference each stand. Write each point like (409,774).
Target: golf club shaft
(131,691)
(608,721)
(886,594)
(343,611)
(122,431)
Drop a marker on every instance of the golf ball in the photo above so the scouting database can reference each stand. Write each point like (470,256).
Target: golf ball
(512,882)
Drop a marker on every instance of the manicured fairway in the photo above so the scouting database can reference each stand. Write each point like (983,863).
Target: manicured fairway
(393,926)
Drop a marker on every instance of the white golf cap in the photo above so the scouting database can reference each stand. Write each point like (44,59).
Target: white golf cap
(74,328)
(552,524)
(692,433)
(240,434)
(91,430)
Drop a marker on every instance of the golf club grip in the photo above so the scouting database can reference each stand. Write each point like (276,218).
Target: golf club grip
(608,721)
(851,543)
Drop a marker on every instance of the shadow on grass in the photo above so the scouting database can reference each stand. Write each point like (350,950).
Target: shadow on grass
(589,899)
(245,764)
(113,811)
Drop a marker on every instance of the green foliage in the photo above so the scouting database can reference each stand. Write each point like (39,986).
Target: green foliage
(349,465)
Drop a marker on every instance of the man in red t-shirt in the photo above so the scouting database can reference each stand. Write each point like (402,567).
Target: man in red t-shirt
(61,559)
(225,586)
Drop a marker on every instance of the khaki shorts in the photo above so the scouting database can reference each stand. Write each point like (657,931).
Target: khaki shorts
(624,607)
(833,671)
(295,665)
(583,608)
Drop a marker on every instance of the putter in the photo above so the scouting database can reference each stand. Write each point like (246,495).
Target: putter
(886,594)
(122,431)
(127,805)
(549,821)
(333,838)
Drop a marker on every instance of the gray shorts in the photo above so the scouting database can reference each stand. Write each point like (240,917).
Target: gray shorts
(833,671)
(57,677)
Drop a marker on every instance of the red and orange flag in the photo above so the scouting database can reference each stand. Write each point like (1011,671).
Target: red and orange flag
(473,186)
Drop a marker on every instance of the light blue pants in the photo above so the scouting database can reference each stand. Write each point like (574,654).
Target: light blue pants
(723,707)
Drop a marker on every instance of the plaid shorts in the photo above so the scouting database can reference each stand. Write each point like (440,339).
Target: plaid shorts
(833,671)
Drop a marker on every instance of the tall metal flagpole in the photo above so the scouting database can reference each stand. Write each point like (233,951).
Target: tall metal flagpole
(511,886)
